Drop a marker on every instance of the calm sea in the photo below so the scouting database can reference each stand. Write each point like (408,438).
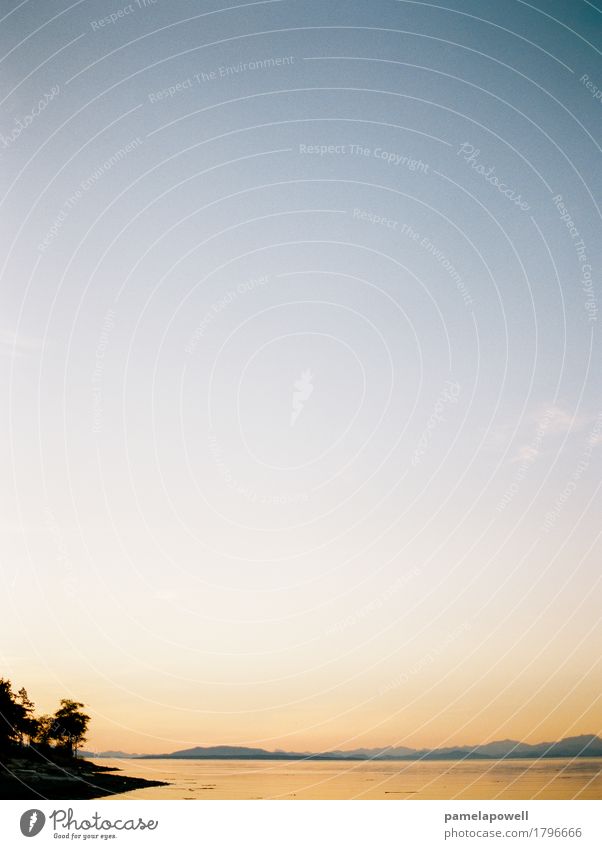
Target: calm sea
(518,779)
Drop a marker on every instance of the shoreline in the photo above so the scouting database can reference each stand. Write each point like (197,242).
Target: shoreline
(76,778)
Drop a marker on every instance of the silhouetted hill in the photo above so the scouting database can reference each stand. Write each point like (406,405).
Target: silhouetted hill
(369,754)
(228,752)
(587,745)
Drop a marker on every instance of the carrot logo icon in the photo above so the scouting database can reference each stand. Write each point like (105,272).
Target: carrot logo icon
(302,390)
(32,822)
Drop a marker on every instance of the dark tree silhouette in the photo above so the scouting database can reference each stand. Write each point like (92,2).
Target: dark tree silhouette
(70,726)
(44,730)
(15,717)
(18,726)
(29,724)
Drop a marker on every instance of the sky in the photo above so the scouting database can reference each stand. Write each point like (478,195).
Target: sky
(300,356)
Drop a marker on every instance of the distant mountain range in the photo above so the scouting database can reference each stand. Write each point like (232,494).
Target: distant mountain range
(587,745)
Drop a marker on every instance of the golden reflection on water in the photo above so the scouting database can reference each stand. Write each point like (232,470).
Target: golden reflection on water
(220,779)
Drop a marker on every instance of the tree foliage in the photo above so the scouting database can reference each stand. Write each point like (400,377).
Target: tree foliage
(43,736)
(70,725)
(65,729)
(16,715)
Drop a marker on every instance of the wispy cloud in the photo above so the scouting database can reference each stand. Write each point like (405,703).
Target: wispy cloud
(564,421)
(552,420)
(526,453)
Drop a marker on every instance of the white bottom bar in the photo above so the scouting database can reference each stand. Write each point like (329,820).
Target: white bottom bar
(304,825)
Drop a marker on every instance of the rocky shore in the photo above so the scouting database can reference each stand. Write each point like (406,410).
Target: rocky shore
(33,776)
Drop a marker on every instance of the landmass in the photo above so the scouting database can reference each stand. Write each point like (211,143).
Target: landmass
(583,746)
(29,775)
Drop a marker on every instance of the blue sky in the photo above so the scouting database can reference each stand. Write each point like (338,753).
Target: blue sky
(300,350)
